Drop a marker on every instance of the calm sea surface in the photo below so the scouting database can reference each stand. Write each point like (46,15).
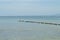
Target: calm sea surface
(12,29)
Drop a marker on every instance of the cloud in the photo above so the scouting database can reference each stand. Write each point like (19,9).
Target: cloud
(31,9)
(30,2)
(30,6)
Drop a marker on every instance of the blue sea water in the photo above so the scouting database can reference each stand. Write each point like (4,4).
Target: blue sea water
(12,29)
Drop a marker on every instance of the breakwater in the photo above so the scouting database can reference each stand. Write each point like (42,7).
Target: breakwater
(39,22)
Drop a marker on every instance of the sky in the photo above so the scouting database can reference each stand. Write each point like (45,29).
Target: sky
(29,7)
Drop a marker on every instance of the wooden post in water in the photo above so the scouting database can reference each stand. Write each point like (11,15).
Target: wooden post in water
(39,22)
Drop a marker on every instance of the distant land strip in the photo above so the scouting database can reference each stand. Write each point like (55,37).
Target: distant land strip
(39,22)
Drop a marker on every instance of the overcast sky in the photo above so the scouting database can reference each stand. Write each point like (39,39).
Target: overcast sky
(29,7)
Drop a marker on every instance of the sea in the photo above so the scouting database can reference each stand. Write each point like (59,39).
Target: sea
(12,29)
